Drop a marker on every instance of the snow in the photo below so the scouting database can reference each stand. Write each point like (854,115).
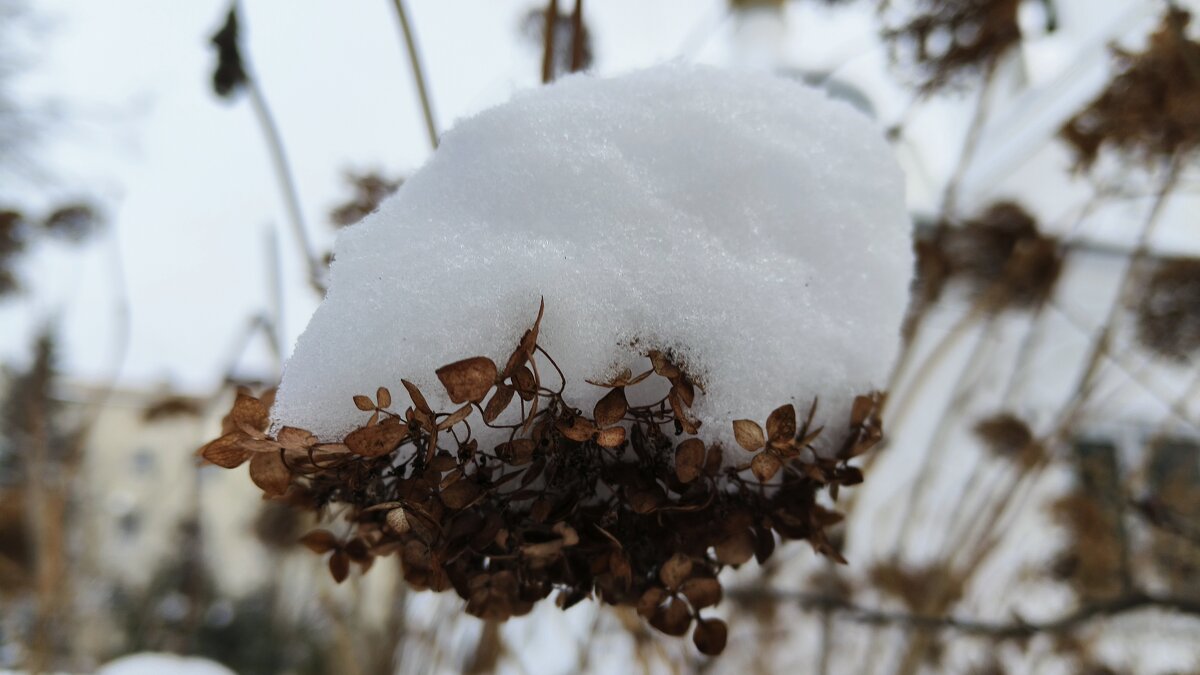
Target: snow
(748,223)
(148,663)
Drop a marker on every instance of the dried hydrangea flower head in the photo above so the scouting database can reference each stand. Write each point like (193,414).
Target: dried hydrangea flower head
(716,318)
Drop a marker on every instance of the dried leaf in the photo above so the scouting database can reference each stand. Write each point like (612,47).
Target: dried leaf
(383,397)
(685,391)
(749,435)
(363,403)
(736,549)
(461,494)
(675,571)
(525,383)
(295,439)
(417,397)
(398,521)
(377,440)
(320,541)
(517,452)
(689,460)
(663,366)
(578,429)
(611,409)
(339,566)
(765,465)
(455,417)
(672,618)
(781,424)
(249,413)
(268,472)
(610,437)
(498,403)
(701,592)
(650,601)
(226,451)
(468,380)
(710,636)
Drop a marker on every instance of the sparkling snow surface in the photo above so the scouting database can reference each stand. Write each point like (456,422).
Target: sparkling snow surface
(747,222)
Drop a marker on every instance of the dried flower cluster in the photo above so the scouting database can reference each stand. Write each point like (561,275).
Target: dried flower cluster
(230,75)
(1168,313)
(1000,254)
(370,189)
(626,503)
(1151,108)
(953,40)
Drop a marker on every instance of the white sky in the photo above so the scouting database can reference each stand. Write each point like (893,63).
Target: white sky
(188,186)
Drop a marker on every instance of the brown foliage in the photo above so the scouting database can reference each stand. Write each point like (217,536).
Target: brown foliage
(626,505)
(953,40)
(1168,314)
(1151,108)
(1000,254)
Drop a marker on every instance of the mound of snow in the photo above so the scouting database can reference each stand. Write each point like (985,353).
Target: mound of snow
(152,663)
(748,223)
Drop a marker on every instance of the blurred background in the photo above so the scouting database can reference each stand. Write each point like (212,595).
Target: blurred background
(172,177)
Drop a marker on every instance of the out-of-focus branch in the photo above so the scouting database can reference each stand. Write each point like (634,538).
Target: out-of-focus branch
(287,182)
(995,630)
(548,53)
(414,60)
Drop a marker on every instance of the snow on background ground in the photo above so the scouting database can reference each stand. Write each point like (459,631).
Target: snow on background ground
(749,224)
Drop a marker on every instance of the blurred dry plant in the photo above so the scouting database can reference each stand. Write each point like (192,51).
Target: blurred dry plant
(951,42)
(369,190)
(610,504)
(1150,110)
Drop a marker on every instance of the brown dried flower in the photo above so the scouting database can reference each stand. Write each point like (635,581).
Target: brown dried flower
(1151,108)
(1168,314)
(625,504)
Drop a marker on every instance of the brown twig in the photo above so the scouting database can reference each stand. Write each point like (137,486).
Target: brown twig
(414,60)
(1016,629)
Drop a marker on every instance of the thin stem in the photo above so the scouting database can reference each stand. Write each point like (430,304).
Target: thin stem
(414,60)
(287,183)
(548,47)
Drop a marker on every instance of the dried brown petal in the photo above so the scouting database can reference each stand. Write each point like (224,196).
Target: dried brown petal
(765,465)
(320,541)
(268,472)
(518,452)
(578,429)
(498,402)
(675,571)
(398,521)
(525,383)
(226,451)
(295,439)
(363,403)
(781,424)
(377,440)
(650,601)
(663,366)
(689,460)
(610,437)
(710,636)
(468,380)
(736,549)
(749,435)
(248,412)
(417,397)
(672,618)
(611,409)
(384,397)
(461,494)
(455,417)
(339,566)
(701,592)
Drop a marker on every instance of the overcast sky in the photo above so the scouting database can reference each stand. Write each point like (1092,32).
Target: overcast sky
(187,185)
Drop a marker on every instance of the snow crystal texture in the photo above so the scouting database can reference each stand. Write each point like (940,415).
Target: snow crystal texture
(747,222)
